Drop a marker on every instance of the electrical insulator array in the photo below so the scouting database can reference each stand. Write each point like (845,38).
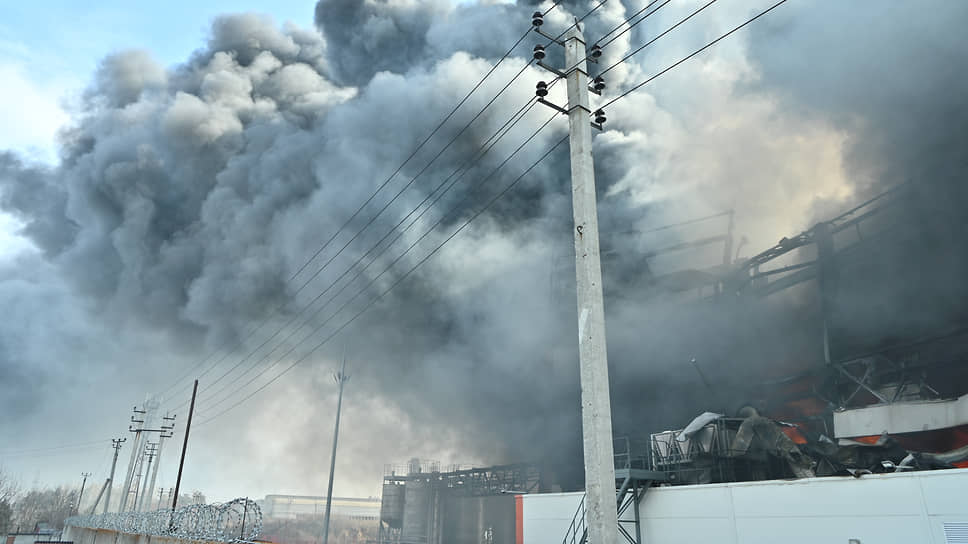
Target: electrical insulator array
(541,89)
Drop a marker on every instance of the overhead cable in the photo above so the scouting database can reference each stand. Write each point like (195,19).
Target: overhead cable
(346,223)
(693,54)
(628,22)
(436,194)
(653,40)
(401,278)
(577,21)
(373,218)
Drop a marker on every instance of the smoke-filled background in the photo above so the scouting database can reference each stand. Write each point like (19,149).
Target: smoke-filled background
(185,200)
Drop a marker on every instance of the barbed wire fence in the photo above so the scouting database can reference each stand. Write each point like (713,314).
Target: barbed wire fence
(239,520)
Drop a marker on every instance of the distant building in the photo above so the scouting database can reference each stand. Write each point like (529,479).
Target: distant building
(297,506)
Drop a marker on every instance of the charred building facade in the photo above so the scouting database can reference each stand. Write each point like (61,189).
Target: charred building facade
(885,386)
(869,375)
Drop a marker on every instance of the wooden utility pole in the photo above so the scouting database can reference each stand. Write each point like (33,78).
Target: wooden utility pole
(181,463)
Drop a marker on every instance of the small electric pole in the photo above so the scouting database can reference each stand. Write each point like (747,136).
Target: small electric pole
(596,413)
(77,507)
(165,432)
(116,444)
(161,497)
(341,378)
(181,463)
(134,483)
(151,451)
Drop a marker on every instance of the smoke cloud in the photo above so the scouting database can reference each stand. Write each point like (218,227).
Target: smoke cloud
(187,198)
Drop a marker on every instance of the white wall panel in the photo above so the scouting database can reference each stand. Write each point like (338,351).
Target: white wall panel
(900,508)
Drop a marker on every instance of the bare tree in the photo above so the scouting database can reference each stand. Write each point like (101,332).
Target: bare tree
(8,493)
(50,505)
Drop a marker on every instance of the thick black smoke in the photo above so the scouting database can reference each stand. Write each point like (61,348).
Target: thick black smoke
(188,197)
(900,93)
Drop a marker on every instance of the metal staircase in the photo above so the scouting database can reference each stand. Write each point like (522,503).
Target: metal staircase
(577,533)
(631,482)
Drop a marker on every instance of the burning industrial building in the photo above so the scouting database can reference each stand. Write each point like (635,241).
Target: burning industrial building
(782,224)
(892,400)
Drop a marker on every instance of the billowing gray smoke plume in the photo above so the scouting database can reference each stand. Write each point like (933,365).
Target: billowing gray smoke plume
(187,197)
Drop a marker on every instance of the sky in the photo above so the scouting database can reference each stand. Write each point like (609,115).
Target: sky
(208,152)
(49,49)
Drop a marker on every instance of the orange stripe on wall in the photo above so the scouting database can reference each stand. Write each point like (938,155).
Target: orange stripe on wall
(519,519)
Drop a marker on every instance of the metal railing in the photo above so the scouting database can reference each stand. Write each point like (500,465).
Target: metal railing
(239,520)
(577,533)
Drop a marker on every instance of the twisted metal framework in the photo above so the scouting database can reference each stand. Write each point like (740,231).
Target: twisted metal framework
(239,520)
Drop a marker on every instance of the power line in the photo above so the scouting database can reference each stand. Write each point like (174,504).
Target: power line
(52,453)
(587,14)
(370,199)
(577,21)
(478,213)
(644,17)
(385,270)
(325,340)
(407,274)
(653,40)
(679,224)
(402,278)
(60,447)
(627,21)
(462,169)
(693,54)
(369,223)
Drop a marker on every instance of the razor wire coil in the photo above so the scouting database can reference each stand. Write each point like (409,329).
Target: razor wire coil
(239,520)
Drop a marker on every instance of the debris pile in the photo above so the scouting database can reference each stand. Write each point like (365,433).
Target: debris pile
(714,448)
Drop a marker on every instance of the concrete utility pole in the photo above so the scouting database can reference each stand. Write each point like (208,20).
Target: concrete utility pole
(100,494)
(601,514)
(166,429)
(77,507)
(136,481)
(151,451)
(596,411)
(133,484)
(341,379)
(116,444)
(154,475)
